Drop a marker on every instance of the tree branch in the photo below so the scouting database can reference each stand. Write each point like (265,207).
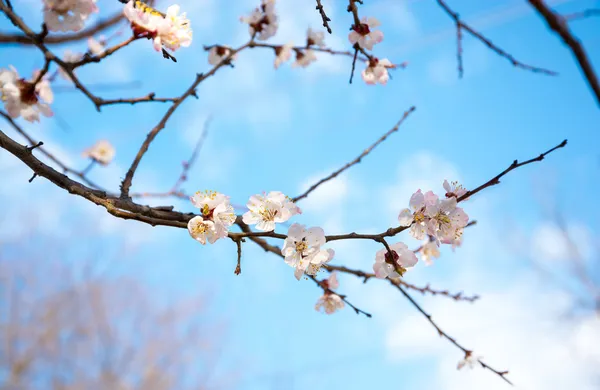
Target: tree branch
(558,25)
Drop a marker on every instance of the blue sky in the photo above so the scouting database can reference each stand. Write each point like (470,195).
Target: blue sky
(282,130)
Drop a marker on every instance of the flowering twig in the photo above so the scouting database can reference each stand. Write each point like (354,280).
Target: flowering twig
(559,26)
(423,290)
(443,334)
(460,25)
(357,159)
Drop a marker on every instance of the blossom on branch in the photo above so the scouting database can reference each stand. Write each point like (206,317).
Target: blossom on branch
(447,220)
(302,250)
(267,209)
(416,217)
(469,361)
(170,30)
(96,47)
(454,189)
(22,98)
(202,230)
(304,58)
(363,35)
(67,15)
(377,71)
(282,54)
(215,207)
(68,57)
(101,152)
(316,38)
(394,265)
(263,21)
(330,302)
(217,53)
(429,251)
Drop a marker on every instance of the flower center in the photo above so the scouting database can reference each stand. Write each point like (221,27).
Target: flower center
(28,95)
(301,246)
(267,214)
(362,29)
(200,228)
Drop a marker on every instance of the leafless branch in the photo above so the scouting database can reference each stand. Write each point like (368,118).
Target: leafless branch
(559,25)
(357,159)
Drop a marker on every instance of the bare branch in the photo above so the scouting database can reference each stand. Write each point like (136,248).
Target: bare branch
(443,334)
(324,16)
(559,25)
(461,25)
(582,14)
(357,159)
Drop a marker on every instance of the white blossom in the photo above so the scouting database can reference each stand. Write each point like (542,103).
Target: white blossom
(447,221)
(454,189)
(263,21)
(216,54)
(304,58)
(102,152)
(363,35)
(429,251)
(302,249)
(215,208)
(316,38)
(470,360)
(96,47)
(283,54)
(266,210)
(330,303)
(393,265)
(202,230)
(67,15)
(377,71)
(23,98)
(416,216)
(170,30)
(69,56)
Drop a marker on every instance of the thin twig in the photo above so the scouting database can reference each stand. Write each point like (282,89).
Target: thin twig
(357,159)
(324,16)
(461,25)
(582,14)
(443,334)
(560,26)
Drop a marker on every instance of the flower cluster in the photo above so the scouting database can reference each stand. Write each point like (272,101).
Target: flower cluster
(101,152)
(329,301)
(170,30)
(263,21)
(67,15)
(267,209)
(216,217)
(302,250)
(25,98)
(440,219)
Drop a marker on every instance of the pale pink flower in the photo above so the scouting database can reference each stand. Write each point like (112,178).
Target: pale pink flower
(469,361)
(302,250)
(67,15)
(364,35)
(393,265)
(330,303)
(202,230)
(304,58)
(454,189)
(268,209)
(217,53)
(102,152)
(316,38)
(263,21)
(377,71)
(429,251)
(283,54)
(23,98)
(417,216)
